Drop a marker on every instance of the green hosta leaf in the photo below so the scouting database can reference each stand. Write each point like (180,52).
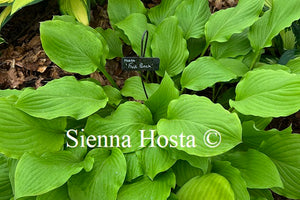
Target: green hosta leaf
(128,119)
(268,93)
(8,92)
(192,16)
(5,186)
(234,177)
(36,175)
(294,65)
(285,153)
(184,172)
(113,41)
(253,137)
(77,8)
(209,187)
(60,193)
(272,67)
(288,39)
(206,71)
(158,105)
(158,189)
(133,88)
(172,197)
(212,129)
(5,15)
(223,24)
(105,179)
(202,163)
(256,194)
(73,47)
(63,97)
(165,9)
(256,168)
(134,166)
(195,47)
(118,10)
(18,4)
(169,45)
(134,27)
(20,133)
(260,123)
(237,45)
(155,160)
(272,22)
(113,94)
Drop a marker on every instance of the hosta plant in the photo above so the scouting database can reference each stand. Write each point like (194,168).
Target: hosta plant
(201,134)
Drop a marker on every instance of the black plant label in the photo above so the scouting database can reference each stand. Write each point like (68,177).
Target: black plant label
(140,64)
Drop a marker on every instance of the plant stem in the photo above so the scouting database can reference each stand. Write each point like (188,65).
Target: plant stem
(110,79)
(204,50)
(254,60)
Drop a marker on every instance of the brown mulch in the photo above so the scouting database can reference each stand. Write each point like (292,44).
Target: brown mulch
(23,62)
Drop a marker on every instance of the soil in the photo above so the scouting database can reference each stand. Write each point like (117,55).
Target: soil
(23,62)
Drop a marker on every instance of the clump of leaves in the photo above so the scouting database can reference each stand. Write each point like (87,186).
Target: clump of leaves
(222,53)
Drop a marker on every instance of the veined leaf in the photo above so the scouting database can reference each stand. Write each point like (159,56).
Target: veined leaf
(158,189)
(257,194)
(133,88)
(212,129)
(73,47)
(8,92)
(20,133)
(159,106)
(5,15)
(234,177)
(104,180)
(209,187)
(237,45)
(18,4)
(202,163)
(134,27)
(169,45)
(192,16)
(294,65)
(113,94)
(113,41)
(223,24)
(260,123)
(256,168)
(77,8)
(288,39)
(36,175)
(118,10)
(5,185)
(253,137)
(285,153)
(63,97)
(155,160)
(164,10)
(260,66)
(128,119)
(60,193)
(134,166)
(184,172)
(206,71)
(272,22)
(268,93)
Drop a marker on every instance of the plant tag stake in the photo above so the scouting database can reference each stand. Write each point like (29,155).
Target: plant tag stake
(140,63)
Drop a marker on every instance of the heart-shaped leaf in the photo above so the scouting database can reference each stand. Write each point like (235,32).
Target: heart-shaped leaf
(268,93)
(63,97)
(200,127)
